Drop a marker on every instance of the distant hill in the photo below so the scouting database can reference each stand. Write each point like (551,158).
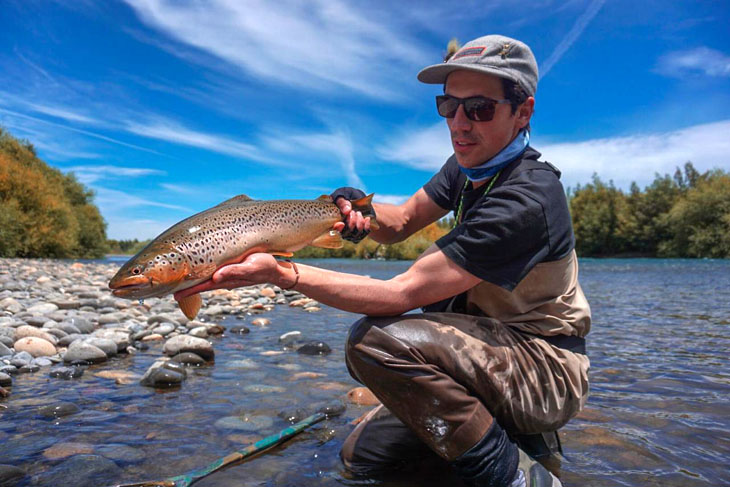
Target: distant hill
(43,212)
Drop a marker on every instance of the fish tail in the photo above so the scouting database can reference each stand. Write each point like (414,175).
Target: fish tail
(365,206)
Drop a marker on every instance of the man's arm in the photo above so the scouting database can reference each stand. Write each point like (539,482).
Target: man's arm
(433,277)
(396,222)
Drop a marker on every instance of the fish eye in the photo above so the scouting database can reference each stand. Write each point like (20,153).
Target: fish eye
(136,271)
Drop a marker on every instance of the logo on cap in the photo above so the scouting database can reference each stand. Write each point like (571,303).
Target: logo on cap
(505,50)
(469,51)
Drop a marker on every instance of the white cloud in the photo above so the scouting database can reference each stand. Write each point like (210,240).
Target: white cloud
(61,112)
(638,157)
(621,159)
(391,199)
(112,200)
(701,60)
(337,143)
(316,44)
(92,174)
(169,131)
(580,24)
(426,149)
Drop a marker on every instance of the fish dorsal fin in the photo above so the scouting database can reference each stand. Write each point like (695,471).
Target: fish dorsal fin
(325,197)
(329,240)
(241,198)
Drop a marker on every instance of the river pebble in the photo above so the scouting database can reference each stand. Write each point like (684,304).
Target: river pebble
(5,380)
(188,358)
(184,343)
(66,373)
(83,352)
(164,374)
(314,348)
(59,410)
(10,475)
(66,449)
(37,347)
(244,422)
(79,471)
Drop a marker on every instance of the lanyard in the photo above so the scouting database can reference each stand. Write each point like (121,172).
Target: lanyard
(461,201)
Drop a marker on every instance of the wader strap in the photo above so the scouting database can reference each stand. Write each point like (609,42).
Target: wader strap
(573,343)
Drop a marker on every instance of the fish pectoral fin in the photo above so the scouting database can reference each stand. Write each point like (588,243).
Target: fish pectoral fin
(204,271)
(330,240)
(190,305)
(283,254)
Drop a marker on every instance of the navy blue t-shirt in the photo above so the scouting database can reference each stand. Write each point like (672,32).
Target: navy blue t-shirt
(522,221)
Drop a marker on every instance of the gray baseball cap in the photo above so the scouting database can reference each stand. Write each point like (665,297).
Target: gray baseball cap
(493,54)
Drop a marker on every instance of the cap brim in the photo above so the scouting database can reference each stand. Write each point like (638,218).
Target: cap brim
(437,73)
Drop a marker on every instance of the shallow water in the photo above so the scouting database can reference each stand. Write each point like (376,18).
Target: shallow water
(658,412)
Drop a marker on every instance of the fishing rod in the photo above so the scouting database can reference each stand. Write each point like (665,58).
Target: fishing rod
(187,479)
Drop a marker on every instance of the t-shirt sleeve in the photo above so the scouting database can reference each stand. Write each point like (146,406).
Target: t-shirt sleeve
(503,236)
(440,188)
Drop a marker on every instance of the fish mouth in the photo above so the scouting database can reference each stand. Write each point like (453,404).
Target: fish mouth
(131,287)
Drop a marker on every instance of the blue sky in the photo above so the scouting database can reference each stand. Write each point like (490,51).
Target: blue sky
(166,107)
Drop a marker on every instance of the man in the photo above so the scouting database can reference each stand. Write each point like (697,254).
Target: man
(504,356)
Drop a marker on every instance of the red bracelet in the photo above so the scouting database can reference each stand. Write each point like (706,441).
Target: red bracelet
(296,279)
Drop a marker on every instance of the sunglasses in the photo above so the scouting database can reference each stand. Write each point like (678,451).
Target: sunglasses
(476,108)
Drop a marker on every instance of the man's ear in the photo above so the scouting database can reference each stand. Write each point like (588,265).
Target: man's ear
(525,111)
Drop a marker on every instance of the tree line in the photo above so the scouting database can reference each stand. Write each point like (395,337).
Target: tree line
(45,213)
(683,215)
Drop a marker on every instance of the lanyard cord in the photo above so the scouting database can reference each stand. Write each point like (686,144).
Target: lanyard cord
(461,200)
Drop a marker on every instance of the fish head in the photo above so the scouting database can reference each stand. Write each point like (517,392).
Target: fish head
(156,270)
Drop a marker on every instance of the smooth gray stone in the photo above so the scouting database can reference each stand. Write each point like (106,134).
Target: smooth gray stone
(79,351)
(42,308)
(121,338)
(5,380)
(37,321)
(80,471)
(57,316)
(83,324)
(41,361)
(24,356)
(28,369)
(69,339)
(5,350)
(66,304)
(10,475)
(162,318)
(7,331)
(164,374)
(56,332)
(106,345)
(121,453)
(240,329)
(66,373)
(188,358)
(186,343)
(9,369)
(314,348)
(59,410)
(164,329)
(7,341)
(67,327)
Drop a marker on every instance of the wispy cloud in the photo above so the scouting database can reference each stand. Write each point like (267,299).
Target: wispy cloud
(424,149)
(61,112)
(292,42)
(692,62)
(171,131)
(92,174)
(337,143)
(571,37)
(76,130)
(621,159)
(116,200)
(392,199)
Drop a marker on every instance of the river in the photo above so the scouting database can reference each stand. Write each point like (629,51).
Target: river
(658,413)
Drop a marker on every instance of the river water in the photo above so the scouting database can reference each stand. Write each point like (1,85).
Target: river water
(658,414)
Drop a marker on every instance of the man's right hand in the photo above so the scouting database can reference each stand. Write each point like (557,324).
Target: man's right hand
(354,226)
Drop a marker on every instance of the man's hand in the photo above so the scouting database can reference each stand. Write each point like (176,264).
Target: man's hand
(355,226)
(255,269)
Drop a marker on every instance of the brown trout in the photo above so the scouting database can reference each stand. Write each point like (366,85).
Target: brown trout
(190,251)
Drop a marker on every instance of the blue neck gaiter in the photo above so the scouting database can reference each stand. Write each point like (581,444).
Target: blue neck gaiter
(513,150)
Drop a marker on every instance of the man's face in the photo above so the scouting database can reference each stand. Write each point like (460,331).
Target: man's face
(476,142)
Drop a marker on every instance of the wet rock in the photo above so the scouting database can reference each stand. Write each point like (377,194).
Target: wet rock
(188,358)
(294,415)
(118,336)
(4,350)
(5,380)
(300,302)
(307,375)
(186,343)
(80,351)
(10,475)
(118,376)
(244,422)
(81,471)
(59,410)
(164,329)
(67,327)
(9,369)
(107,346)
(42,308)
(212,310)
(200,332)
(334,408)
(121,453)
(243,363)
(66,373)
(164,374)
(41,362)
(31,331)
(240,329)
(263,388)
(314,348)
(362,396)
(37,347)
(261,322)
(162,318)
(67,449)
(289,339)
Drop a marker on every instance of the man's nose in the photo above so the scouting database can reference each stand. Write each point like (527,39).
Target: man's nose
(460,121)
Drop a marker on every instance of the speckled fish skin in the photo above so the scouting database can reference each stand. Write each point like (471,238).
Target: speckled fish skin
(190,251)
